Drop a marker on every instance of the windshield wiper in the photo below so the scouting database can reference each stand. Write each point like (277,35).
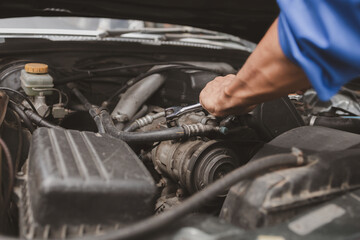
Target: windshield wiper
(176,30)
(176,34)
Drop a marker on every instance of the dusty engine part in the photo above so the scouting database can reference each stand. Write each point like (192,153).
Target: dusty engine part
(135,97)
(40,105)
(194,164)
(58,111)
(269,125)
(78,180)
(277,196)
(342,103)
(171,195)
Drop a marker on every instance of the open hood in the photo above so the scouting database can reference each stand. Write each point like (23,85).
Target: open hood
(247,19)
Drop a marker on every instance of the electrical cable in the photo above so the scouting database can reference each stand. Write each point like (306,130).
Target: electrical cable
(22,115)
(102,81)
(38,120)
(10,172)
(28,116)
(134,66)
(152,224)
(90,73)
(21,95)
(66,98)
(20,138)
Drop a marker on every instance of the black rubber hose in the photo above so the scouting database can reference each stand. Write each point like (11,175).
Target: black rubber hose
(23,116)
(38,120)
(105,124)
(93,110)
(21,95)
(136,137)
(79,96)
(28,116)
(152,224)
(345,124)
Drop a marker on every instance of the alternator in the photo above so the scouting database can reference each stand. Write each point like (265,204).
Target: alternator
(194,164)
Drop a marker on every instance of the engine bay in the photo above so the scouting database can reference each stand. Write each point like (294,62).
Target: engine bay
(98,142)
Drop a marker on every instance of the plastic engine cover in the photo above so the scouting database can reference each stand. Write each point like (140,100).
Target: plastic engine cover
(277,196)
(86,178)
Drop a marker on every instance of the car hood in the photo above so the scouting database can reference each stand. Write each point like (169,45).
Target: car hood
(242,18)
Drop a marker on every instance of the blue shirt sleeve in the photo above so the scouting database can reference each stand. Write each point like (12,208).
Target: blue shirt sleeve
(323,38)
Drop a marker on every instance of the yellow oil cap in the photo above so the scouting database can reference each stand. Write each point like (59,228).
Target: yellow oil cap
(36,68)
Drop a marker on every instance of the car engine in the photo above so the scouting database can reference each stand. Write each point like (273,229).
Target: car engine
(96,144)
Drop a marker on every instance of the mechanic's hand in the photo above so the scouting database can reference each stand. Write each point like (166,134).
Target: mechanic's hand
(218,102)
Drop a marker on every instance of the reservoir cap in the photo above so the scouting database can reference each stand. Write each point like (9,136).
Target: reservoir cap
(36,68)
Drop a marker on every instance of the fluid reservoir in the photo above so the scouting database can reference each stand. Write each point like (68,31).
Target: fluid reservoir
(34,77)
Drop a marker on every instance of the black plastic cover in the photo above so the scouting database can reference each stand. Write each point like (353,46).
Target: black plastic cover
(279,195)
(82,177)
(270,119)
(337,219)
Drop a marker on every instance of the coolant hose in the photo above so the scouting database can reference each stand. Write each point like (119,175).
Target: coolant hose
(105,124)
(29,116)
(38,120)
(173,133)
(152,224)
(345,124)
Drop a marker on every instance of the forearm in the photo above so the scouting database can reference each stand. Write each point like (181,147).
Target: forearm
(266,75)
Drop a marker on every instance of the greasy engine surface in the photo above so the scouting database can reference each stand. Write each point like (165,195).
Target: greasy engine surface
(123,161)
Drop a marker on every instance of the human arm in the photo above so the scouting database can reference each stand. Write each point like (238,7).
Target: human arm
(266,75)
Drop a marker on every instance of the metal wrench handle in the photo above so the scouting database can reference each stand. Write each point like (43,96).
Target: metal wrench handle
(173,112)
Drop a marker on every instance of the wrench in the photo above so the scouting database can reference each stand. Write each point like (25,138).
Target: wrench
(174,112)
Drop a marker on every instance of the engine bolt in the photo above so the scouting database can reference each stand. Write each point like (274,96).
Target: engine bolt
(180,193)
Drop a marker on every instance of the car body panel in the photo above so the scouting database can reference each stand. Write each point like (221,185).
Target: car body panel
(246,19)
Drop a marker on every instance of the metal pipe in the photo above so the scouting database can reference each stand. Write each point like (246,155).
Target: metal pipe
(132,100)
